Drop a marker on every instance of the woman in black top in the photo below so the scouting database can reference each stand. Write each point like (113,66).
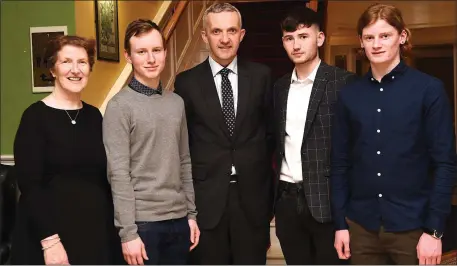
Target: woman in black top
(65,212)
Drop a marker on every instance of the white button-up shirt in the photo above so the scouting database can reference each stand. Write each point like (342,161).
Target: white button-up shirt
(233,77)
(297,108)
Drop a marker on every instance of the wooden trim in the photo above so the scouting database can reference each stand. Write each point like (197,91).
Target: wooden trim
(171,25)
(312,4)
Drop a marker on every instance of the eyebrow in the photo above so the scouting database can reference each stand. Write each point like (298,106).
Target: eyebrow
(144,48)
(382,33)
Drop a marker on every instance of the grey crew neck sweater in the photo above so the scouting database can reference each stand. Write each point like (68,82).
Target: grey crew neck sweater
(149,165)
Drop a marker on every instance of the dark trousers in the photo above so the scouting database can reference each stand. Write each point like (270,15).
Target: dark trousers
(234,240)
(380,247)
(166,242)
(303,240)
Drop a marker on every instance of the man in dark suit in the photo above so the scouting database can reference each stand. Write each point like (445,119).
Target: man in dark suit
(303,103)
(228,102)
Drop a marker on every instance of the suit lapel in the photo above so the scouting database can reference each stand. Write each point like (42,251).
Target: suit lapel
(317,92)
(244,92)
(209,93)
(283,87)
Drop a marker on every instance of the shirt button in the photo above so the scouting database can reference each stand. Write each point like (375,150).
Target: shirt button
(381,89)
(393,77)
(380,195)
(372,79)
(378,130)
(378,152)
(379,174)
(379,110)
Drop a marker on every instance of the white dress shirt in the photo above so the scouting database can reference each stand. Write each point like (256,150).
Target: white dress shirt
(297,108)
(233,77)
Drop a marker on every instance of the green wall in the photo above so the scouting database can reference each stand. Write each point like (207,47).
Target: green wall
(16,86)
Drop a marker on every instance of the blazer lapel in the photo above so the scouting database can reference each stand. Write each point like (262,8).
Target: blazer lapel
(244,92)
(283,87)
(209,93)
(317,92)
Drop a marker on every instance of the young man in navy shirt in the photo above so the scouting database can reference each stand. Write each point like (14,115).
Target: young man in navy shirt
(393,157)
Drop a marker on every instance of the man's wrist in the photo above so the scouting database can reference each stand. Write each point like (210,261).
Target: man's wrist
(433,233)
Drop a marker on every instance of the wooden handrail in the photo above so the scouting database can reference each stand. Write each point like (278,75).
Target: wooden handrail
(171,24)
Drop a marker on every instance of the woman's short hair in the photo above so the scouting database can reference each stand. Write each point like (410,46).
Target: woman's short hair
(57,44)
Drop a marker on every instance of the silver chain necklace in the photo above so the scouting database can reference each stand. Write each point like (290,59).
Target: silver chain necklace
(73,121)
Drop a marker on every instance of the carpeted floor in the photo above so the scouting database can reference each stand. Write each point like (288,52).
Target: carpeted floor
(450,258)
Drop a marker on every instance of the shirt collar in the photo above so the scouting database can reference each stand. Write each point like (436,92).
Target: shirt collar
(143,89)
(311,77)
(397,70)
(216,67)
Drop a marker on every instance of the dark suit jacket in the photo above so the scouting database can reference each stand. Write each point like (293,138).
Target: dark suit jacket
(213,151)
(315,150)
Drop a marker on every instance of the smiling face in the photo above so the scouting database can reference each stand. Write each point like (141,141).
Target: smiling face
(302,45)
(147,56)
(71,70)
(223,33)
(382,42)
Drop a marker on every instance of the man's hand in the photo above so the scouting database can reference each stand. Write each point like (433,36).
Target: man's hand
(134,252)
(429,250)
(194,233)
(342,244)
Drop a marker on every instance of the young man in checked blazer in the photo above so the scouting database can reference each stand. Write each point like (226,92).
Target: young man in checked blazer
(303,103)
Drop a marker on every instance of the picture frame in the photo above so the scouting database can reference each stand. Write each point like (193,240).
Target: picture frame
(107,30)
(42,80)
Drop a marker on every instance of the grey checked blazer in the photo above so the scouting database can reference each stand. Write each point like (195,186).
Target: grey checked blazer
(315,148)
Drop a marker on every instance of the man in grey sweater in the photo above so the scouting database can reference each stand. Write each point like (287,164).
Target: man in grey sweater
(149,167)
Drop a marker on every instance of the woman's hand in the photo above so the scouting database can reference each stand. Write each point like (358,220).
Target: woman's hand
(53,251)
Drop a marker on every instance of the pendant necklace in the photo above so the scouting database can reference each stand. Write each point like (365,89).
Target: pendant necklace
(73,121)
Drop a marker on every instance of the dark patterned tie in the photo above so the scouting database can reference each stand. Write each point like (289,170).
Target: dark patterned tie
(228,107)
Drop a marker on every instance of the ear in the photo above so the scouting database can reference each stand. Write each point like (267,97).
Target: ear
(127,57)
(403,36)
(242,33)
(320,38)
(204,36)
(52,72)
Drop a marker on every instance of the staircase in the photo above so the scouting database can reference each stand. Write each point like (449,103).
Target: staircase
(262,42)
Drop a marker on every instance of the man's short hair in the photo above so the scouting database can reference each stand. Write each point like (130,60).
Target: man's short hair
(219,8)
(300,15)
(138,27)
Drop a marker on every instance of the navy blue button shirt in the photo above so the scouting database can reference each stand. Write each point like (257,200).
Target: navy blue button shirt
(393,152)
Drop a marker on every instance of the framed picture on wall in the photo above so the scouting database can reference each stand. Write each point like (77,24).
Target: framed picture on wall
(42,80)
(107,30)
